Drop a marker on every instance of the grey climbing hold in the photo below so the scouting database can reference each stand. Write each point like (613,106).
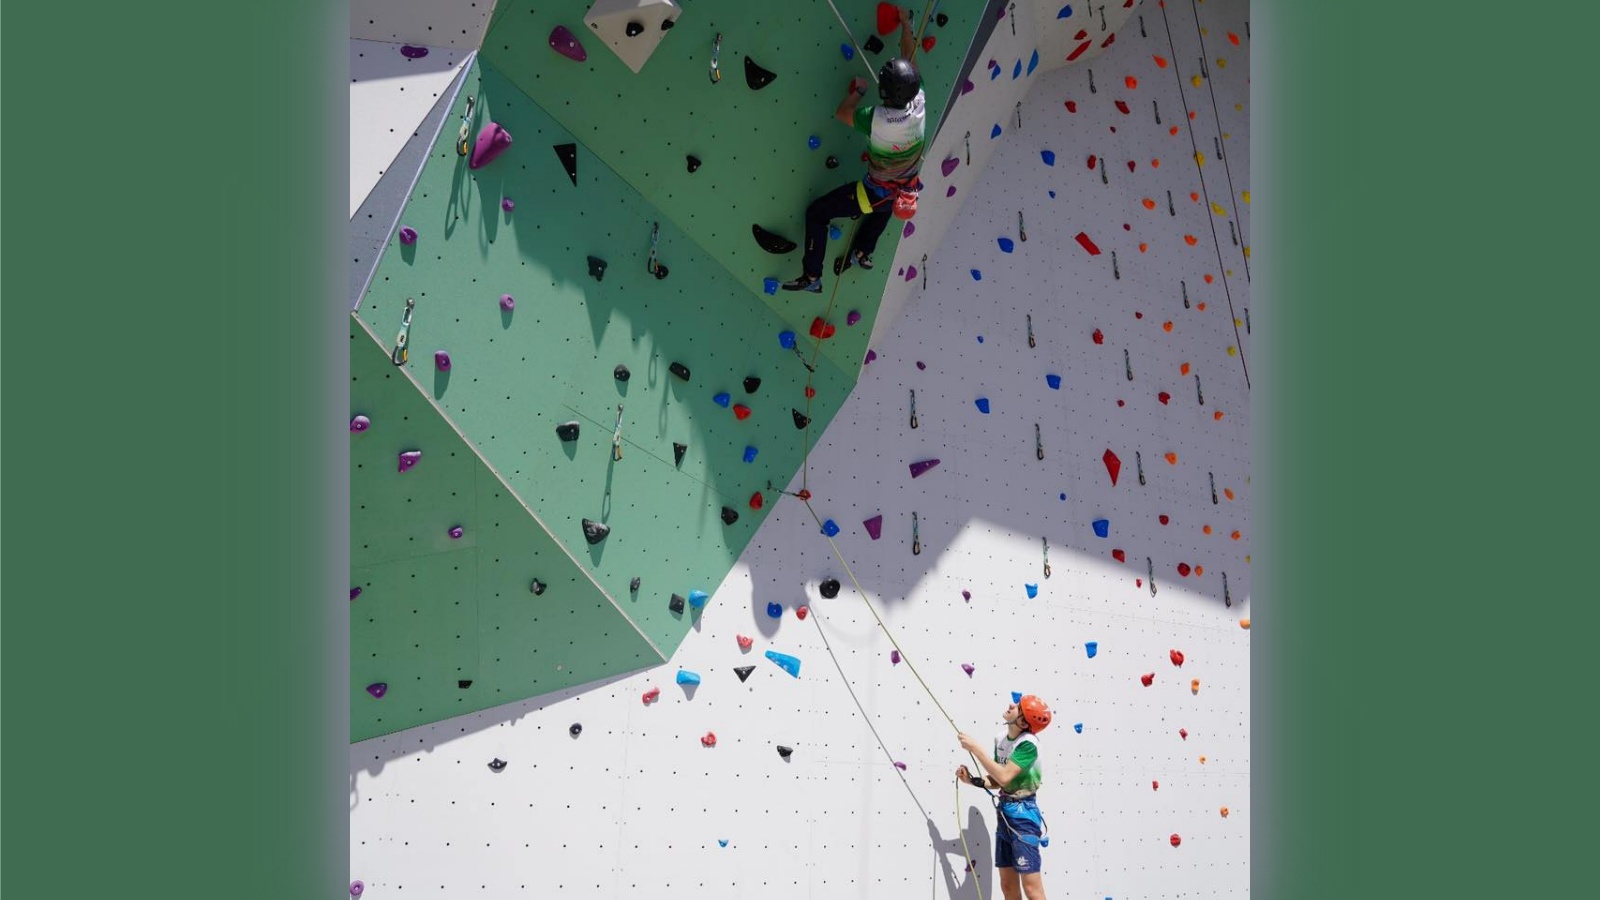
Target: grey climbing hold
(595,532)
(801,420)
(575,730)
(680,370)
(597,268)
(568,154)
(537,587)
(621,373)
(744,671)
(567,431)
(772,243)
(784,751)
(633,585)
(678,450)
(694,163)
(729,515)
(830,588)
(497,765)
(676,604)
(752,384)
(755,76)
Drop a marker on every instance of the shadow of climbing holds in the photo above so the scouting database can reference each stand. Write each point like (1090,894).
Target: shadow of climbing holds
(567,431)
(922,466)
(564,42)
(829,588)
(1113,466)
(772,243)
(801,420)
(1102,527)
(774,610)
(1092,648)
(597,268)
(830,528)
(687,677)
(595,532)
(537,588)
(568,154)
(377,689)
(677,453)
(360,423)
(497,765)
(676,604)
(492,141)
(743,672)
(874,526)
(755,76)
(785,662)
(409,458)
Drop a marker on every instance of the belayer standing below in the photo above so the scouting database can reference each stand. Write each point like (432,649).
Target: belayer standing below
(894,130)
(1014,770)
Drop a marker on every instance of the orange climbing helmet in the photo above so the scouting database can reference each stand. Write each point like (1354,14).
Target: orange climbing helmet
(1035,714)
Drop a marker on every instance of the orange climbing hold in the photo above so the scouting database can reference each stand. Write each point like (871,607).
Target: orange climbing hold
(1161,61)
(1224,812)
(1228,492)
(1201,306)
(1143,246)
(1194,688)
(1199,570)
(1131,82)
(1190,239)
(1183,369)
(1245,624)
(1217,415)
(1172,458)
(1191,115)
(1148,203)
(1155,163)
(1235,535)
(1194,197)
(1206,529)
(1208,278)
(1166,326)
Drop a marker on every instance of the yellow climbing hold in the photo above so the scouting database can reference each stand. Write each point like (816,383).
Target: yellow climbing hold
(1195,81)
(1217,208)
(1222,63)
(1199,158)
(1238,107)
(1245,196)
(1246,251)
(1238,323)
(1247,559)
(1232,351)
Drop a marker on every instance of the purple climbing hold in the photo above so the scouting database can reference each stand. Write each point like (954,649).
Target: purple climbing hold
(949,165)
(408,235)
(918,468)
(967,596)
(894,657)
(853,317)
(411,51)
(966,87)
(506,303)
(456,532)
(911,271)
(508,204)
(871,355)
(360,423)
(566,43)
(950,191)
(409,458)
(441,360)
(377,689)
(968,668)
(909,230)
(491,142)
(921,366)
(874,526)
(355,592)
(899,765)
(357,888)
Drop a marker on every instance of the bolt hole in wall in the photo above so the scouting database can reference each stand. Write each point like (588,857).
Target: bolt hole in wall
(678,783)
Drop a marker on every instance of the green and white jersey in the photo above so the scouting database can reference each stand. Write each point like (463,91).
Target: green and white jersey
(894,139)
(1024,751)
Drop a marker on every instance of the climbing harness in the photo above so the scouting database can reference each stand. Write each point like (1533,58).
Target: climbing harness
(466,123)
(716,51)
(616,437)
(398,357)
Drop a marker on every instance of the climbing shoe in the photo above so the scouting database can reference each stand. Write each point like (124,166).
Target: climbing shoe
(854,258)
(808,283)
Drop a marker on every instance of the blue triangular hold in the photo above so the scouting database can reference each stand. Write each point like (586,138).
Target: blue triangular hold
(1016,696)
(1078,727)
(1054,381)
(1033,590)
(1102,527)
(1033,62)
(983,405)
(995,133)
(1092,647)
(1016,72)
(722,399)
(785,662)
(1065,13)
(697,599)
(1049,157)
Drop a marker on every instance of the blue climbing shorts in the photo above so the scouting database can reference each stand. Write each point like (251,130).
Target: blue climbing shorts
(1016,836)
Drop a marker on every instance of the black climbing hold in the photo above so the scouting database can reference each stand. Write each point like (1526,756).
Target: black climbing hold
(666,24)
(621,373)
(874,44)
(575,730)
(497,765)
(680,370)
(597,268)
(567,431)
(678,450)
(537,587)
(634,29)
(569,160)
(755,76)
(772,243)
(832,162)
(594,531)
(660,272)
(752,384)
(464,683)
(729,515)
(676,604)
(801,420)
(744,671)
(829,588)
(784,751)
(694,163)
(634,585)
(941,20)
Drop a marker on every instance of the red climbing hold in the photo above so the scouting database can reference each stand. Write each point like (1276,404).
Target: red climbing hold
(1176,656)
(1082,33)
(1113,464)
(1183,569)
(1098,337)
(1175,840)
(744,642)
(1093,160)
(1165,520)
(1183,733)
(1079,51)
(741,412)
(1119,556)
(1071,105)
(757,500)
(1131,165)
(1107,42)
(1148,679)
(1086,244)
(802,612)
(710,740)
(652,695)
(888,18)
(812,392)
(928,42)
(1163,397)
(821,330)
(1155,785)
(1122,107)
(803,494)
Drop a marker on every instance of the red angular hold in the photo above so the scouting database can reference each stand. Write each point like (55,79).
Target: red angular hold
(1148,678)
(1131,165)
(821,330)
(802,612)
(1113,465)
(1072,106)
(1176,656)
(1107,42)
(744,642)
(1122,107)
(757,500)
(1098,337)
(1163,397)
(1093,160)
(1183,733)
(741,412)
(1183,569)
(710,740)
(652,695)
(1087,244)
(1079,51)
(928,42)
(1155,785)
(888,18)
(1119,556)
(1165,520)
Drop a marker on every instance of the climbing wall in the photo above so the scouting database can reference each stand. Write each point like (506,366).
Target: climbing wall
(788,749)
(393,88)
(454,24)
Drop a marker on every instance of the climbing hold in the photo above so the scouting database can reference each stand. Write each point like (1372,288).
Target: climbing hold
(769,286)
(894,657)
(355,592)
(693,163)
(697,599)
(409,458)
(968,668)
(751,384)
(755,76)
(597,268)
(888,17)
(874,526)
(455,532)
(1171,458)
(949,165)
(621,373)
(785,662)
(1183,569)
(506,303)
(1224,812)
(507,204)
(676,604)
(722,399)
(820,329)
(677,453)
(918,468)
(1054,381)
(1176,656)
(687,677)
(1006,245)
(802,612)
(1148,678)
(743,671)
(408,235)
(568,154)
(1113,466)
(491,142)
(360,423)
(774,610)
(1245,624)
(1033,590)
(983,405)
(680,370)
(729,514)
(441,360)
(1164,397)
(595,532)
(749,454)
(928,43)
(873,44)
(1093,647)
(357,888)
(1119,556)
(1016,70)
(1102,527)
(801,420)
(651,695)
(633,585)
(567,431)
(633,29)
(995,132)
(413,52)
(564,42)
(377,689)
(1175,840)
(831,162)
(772,243)
(1194,688)
(757,500)
(834,232)
(813,142)
(464,683)
(899,765)
(829,588)
(575,729)
(830,528)
(784,751)
(1099,338)
(854,316)
(1164,519)
(1087,244)
(967,596)
(1183,733)
(1049,157)
(745,643)
(497,765)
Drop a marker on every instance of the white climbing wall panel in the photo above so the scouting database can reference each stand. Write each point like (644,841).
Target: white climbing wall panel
(635,804)
(390,96)
(456,24)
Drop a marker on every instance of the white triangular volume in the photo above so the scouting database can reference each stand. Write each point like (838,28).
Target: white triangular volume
(390,96)
(649,20)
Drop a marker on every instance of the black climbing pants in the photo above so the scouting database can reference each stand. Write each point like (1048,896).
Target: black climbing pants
(841,203)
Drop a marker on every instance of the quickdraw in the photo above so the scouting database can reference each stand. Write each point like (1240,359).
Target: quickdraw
(1150,568)
(1046,557)
(1213,477)
(913,407)
(1227,598)
(916,540)
(716,51)
(1022,231)
(466,123)
(1127,363)
(1138,460)
(616,437)
(653,266)
(1031,341)
(1038,443)
(1184,285)
(398,357)
(1199,394)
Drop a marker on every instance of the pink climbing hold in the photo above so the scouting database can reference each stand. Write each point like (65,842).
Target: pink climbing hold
(491,142)
(408,235)
(874,526)
(409,458)
(1113,465)
(441,360)
(564,42)
(918,468)
(949,165)
(652,695)
(360,423)
(909,230)
(968,668)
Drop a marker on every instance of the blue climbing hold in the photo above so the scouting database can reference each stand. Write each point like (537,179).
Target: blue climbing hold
(749,454)
(1063,495)
(1066,13)
(1092,646)
(775,610)
(786,340)
(976,275)
(994,71)
(983,405)
(722,842)
(1102,527)
(1052,195)
(830,528)
(1016,696)
(687,677)
(1033,590)
(770,286)
(1078,727)
(1016,72)
(813,142)
(1033,62)
(785,662)
(995,133)
(1006,245)
(697,599)
(848,51)
(1054,381)
(1049,157)
(980,338)
(722,399)
(835,232)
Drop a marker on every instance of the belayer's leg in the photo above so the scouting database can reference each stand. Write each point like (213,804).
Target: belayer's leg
(1010,883)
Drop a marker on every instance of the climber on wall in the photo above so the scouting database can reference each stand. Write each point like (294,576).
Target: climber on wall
(894,154)
(1014,770)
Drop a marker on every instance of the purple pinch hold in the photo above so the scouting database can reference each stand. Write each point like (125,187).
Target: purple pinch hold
(922,466)
(408,235)
(456,532)
(852,317)
(871,355)
(894,657)
(949,165)
(441,360)
(506,303)
(508,204)
(377,689)
(968,668)
(899,765)
(921,366)
(911,272)
(357,888)
(967,596)
(409,458)
(492,140)
(951,192)
(355,592)
(411,51)
(874,526)
(360,423)
(564,42)
(966,87)
(909,230)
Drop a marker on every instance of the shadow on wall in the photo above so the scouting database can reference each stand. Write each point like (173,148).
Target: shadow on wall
(960,884)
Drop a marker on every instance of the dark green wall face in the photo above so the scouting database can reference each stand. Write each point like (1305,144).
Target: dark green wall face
(435,610)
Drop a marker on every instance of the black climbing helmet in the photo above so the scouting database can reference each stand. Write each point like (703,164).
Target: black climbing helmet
(898,83)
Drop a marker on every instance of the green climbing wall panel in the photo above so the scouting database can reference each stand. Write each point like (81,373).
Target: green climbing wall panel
(435,610)
(757,167)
